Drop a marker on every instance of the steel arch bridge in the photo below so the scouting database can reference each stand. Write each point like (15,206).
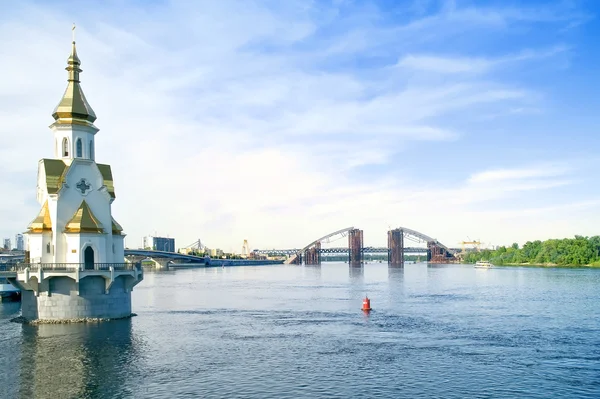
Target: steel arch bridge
(316,244)
(338,250)
(435,250)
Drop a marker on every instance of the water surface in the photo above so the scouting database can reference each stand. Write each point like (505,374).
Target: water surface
(448,331)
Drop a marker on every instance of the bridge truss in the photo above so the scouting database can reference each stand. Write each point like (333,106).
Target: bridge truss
(312,253)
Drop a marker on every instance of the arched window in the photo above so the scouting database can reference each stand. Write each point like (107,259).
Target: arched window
(79,149)
(92,150)
(48,248)
(65,147)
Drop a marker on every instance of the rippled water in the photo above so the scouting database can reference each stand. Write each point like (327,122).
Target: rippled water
(448,331)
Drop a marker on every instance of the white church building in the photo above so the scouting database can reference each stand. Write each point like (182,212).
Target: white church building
(75,267)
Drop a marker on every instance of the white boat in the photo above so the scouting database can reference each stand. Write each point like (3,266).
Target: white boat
(483,264)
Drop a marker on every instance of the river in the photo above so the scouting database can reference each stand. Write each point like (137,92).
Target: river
(437,331)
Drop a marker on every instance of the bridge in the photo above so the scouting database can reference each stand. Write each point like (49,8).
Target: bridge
(145,253)
(338,250)
(313,252)
(11,257)
(165,258)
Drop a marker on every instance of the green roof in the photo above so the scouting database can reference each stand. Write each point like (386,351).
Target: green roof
(108,179)
(56,170)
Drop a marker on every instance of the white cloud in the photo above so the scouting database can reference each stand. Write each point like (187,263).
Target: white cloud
(225,123)
(544,170)
(477,65)
(444,65)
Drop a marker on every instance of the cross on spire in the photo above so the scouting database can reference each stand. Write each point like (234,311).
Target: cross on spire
(73,32)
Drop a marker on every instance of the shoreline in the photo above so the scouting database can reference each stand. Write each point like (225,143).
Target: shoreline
(546,265)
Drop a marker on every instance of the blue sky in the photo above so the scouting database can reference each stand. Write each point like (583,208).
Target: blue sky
(279,122)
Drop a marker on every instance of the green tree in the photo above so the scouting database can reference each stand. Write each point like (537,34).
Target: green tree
(577,251)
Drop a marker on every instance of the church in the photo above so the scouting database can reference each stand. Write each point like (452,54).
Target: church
(75,267)
(74,224)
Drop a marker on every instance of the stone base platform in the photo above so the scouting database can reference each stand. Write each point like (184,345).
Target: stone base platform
(75,295)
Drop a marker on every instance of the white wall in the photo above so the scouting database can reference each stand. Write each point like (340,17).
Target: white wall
(119,243)
(79,242)
(72,133)
(98,201)
(62,209)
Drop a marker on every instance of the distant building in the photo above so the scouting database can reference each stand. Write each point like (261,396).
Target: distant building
(7,245)
(159,243)
(163,244)
(19,242)
(187,251)
(215,252)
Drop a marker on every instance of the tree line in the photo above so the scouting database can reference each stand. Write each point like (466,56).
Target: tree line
(578,251)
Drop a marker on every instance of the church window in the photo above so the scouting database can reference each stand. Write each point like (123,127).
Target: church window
(48,248)
(92,150)
(79,149)
(65,147)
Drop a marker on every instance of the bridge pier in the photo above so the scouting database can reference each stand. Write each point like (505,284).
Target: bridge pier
(312,256)
(355,247)
(437,254)
(297,260)
(396,247)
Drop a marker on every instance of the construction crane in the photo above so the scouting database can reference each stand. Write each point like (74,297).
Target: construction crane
(475,243)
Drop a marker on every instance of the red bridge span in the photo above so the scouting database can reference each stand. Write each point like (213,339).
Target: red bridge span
(311,254)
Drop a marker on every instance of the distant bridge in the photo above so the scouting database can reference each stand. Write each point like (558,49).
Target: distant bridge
(173,256)
(338,250)
(311,253)
(15,258)
(165,255)
(11,257)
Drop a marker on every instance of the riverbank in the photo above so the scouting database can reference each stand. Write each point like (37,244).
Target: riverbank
(548,265)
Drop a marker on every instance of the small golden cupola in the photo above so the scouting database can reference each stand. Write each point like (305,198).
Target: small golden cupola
(42,223)
(73,107)
(84,221)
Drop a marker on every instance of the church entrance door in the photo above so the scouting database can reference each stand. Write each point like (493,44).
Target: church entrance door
(88,258)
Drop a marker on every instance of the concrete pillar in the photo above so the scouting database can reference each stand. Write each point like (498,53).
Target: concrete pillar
(396,247)
(355,247)
(312,255)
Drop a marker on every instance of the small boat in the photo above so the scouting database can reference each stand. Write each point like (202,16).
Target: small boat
(483,264)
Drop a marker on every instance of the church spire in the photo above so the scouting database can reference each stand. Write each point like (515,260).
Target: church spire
(73,108)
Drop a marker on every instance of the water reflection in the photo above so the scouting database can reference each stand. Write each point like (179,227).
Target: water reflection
(395,273)
(356,273)
(76,360)
(437,265)
(313,271)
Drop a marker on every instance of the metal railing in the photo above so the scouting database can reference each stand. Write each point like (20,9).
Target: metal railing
(72,267)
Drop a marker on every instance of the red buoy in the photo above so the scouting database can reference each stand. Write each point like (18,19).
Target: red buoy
(366,304)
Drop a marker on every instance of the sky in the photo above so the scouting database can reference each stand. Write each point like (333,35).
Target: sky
(279,122)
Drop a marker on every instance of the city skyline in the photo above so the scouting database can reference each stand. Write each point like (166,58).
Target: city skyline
(280,123)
